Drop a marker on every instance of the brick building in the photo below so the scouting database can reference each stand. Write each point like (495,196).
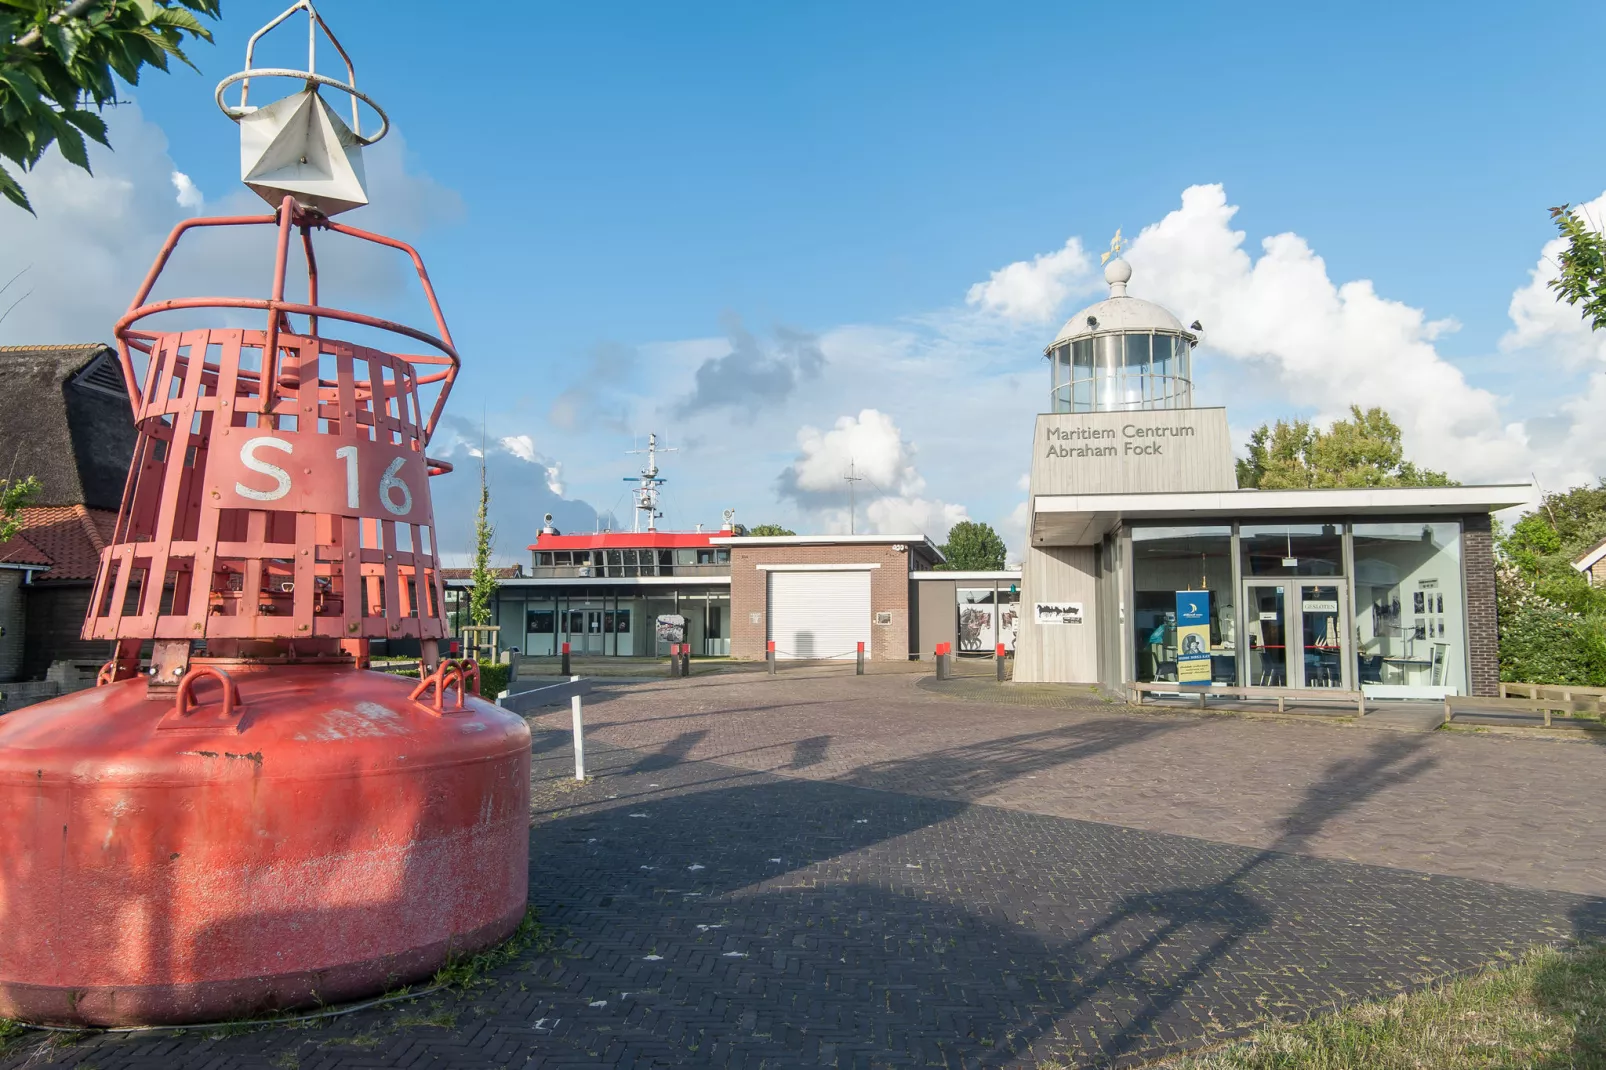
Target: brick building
(818,596)
(65,420)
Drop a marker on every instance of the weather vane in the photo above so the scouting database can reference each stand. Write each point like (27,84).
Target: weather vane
(1117,243)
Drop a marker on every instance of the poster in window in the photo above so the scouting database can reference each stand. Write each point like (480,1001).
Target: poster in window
(1193,637)
(671,628)
(975,627)
(1007,615)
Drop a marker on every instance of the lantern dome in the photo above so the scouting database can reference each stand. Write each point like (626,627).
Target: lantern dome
(1121,353)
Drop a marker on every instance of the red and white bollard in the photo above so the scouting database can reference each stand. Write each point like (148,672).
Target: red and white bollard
(769,655)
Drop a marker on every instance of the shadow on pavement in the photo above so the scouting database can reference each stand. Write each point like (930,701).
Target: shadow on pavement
(800,922)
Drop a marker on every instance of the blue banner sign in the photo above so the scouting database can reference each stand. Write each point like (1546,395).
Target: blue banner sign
(1193,637)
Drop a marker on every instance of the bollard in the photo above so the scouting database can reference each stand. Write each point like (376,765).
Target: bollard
(998,661)
(769,655)
(566,659)
(859,671)
(579,738)
(942,661)
(674,660)
(685,659)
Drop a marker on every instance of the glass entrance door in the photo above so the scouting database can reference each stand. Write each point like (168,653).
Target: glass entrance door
(1297,634)
(1322,635)
(1267,607)
(585,631)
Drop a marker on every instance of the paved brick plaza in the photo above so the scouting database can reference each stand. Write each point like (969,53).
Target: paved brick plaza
(819,870)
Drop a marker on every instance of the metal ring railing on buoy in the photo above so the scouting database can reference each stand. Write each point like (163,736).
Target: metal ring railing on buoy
(231,691)
(447,673)
(238,113)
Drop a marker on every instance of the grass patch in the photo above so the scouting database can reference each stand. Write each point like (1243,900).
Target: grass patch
(438,1017)
(1543,1011)
(469,971)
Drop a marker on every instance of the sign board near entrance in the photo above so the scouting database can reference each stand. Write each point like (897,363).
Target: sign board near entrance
(1058,612)
(1193,637)
(1143,452)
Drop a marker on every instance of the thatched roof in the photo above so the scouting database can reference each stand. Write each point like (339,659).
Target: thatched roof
(64,418)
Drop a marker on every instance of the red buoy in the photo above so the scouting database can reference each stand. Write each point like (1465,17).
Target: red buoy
(242,817)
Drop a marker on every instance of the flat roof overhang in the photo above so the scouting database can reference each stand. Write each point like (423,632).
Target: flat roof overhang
(1084,519)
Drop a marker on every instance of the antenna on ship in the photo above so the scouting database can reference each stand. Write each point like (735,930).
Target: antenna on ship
(646,493)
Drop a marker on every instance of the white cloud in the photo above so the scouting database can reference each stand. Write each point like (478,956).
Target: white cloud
(890,493)
(1031,291)
(189,195)
(1327,345)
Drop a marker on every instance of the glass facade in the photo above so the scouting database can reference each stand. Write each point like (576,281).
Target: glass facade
(1410,626)
(987,616)
(603,619)
(1329,604)
(1116,372)
(1293,549)
(630,562)
(1166,560)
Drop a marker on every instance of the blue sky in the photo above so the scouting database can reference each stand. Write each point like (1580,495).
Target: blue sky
(633,207)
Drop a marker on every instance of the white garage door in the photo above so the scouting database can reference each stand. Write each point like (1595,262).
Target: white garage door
(820,614)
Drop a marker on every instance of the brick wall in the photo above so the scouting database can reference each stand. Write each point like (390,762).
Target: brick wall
(1483,626)
(889,593)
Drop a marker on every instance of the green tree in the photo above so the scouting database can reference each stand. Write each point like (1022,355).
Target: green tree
(483,576)
(14,495)
(972,547)
(56,66)
(769,530)
(1582,278)
(1552,621)
(1362,451)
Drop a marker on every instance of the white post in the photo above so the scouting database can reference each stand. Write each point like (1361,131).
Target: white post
(579,739)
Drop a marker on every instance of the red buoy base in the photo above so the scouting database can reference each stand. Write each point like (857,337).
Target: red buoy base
(339,840)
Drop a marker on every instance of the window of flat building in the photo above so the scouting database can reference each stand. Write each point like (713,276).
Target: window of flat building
(1292,549)
(1166,560)
(540,621)
(978,618)
(1409,612)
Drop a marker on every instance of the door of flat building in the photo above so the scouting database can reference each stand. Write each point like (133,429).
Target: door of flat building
(1298,634)
(585,631)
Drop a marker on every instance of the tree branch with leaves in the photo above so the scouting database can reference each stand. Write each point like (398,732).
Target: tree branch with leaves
(14,496)
(1582,279)
(57,63)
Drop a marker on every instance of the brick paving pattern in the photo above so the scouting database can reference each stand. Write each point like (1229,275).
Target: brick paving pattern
(876,895)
